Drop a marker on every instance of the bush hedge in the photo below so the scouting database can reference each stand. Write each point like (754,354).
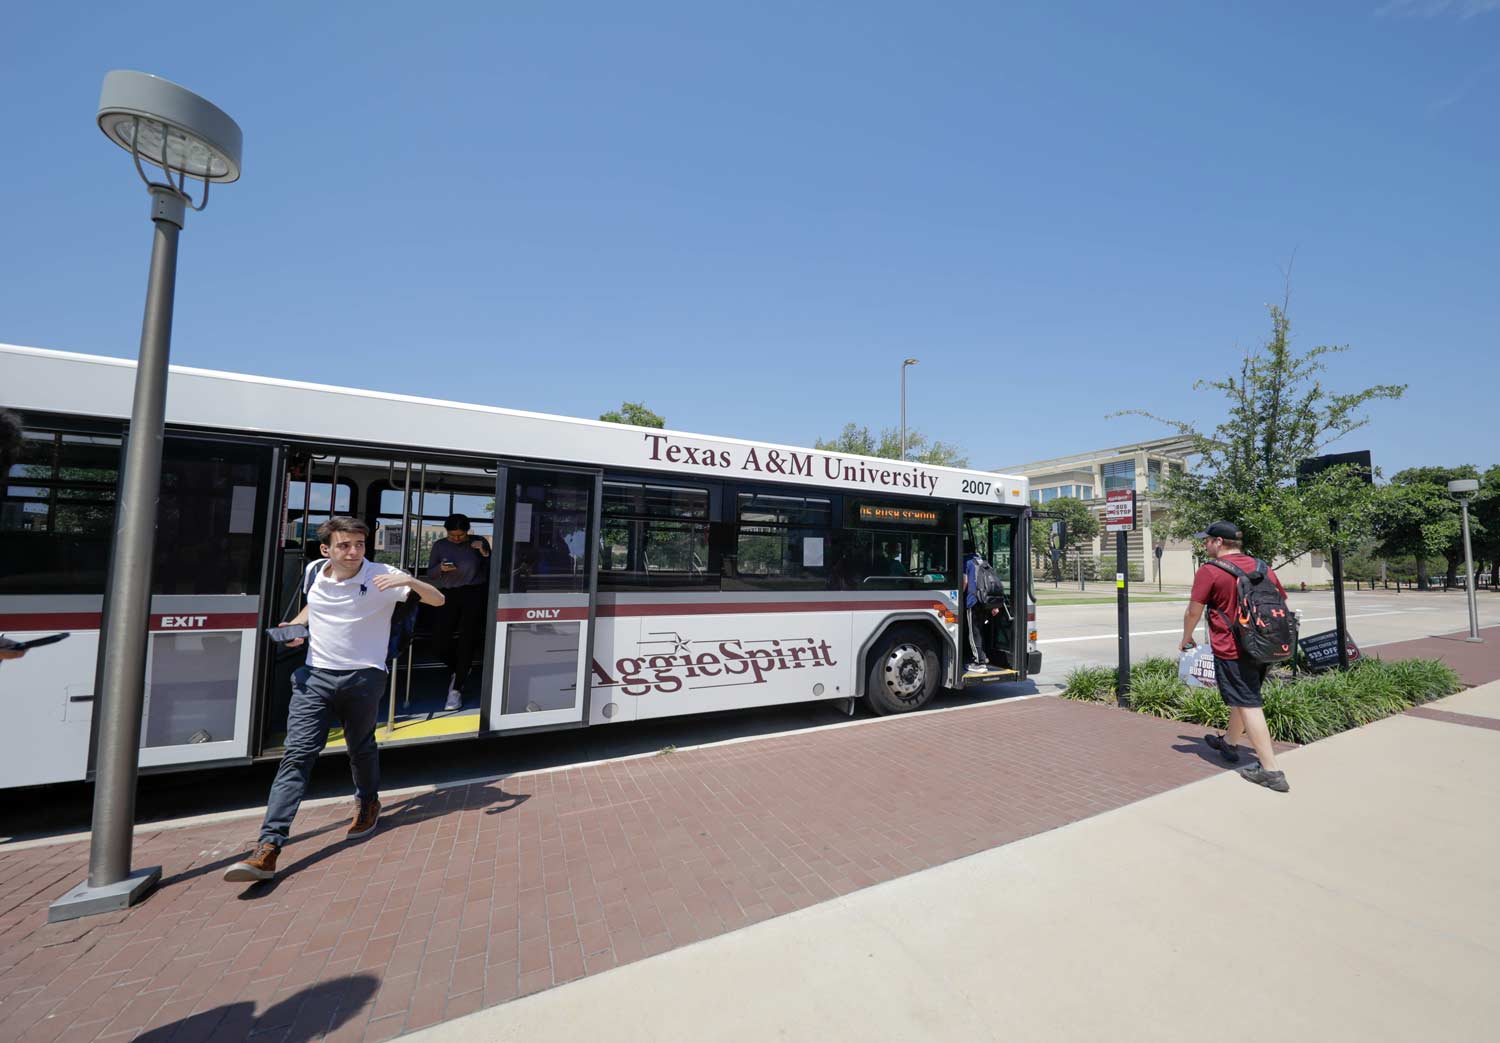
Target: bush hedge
(1300,708)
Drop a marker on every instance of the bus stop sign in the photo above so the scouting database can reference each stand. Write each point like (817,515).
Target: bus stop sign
(1119,510)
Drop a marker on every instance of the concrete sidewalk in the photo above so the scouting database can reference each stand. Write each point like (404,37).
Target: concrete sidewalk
(1359,906)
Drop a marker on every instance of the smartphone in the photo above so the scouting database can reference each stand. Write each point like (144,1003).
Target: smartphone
(37,642)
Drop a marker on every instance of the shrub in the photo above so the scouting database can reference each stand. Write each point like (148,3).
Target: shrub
(1095,684)
(1203,706)
(1298,712)
(1375,687)
(1155,694)
(1421,680)
(1156,666)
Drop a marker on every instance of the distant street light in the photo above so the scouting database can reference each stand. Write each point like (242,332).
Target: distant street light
(172,128)
(1464,489)
(904,364)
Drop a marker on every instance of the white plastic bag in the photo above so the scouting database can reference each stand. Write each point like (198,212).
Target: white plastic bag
(1195,667)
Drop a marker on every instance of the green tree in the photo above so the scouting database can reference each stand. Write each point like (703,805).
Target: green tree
(1278,414)
(634,413)
(1082,527)
(858,440)
(1416,516)
(1484,519)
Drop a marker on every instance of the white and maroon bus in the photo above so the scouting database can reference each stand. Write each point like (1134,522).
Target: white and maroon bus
(635,573)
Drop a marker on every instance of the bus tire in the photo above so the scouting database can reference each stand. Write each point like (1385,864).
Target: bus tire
(904,673)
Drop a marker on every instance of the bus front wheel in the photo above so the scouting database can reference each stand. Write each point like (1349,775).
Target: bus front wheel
(904,672)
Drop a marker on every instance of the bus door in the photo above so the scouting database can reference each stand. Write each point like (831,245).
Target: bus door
(547,526)
(208,579)
(406,504)
(999,538)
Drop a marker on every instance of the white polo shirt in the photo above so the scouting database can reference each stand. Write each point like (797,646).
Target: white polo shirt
(349,621)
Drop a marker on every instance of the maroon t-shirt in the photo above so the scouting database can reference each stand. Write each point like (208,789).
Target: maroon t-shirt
(1217,589)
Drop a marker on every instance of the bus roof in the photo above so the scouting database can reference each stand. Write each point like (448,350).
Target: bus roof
(98,386)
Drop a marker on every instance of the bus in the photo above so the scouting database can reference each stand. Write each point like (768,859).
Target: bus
(635,573)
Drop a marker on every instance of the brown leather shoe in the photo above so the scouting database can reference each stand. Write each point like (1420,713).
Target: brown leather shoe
(366,815)
(259,866)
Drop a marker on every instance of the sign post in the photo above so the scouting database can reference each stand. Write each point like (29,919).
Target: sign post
(1316,465)
(1159,549)
(1119,518)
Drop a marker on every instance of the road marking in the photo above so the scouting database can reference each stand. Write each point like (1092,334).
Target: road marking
(1178,630)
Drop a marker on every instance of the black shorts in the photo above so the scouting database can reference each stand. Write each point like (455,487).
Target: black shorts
(1239,683)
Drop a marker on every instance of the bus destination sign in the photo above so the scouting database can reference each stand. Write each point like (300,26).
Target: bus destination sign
(891,515)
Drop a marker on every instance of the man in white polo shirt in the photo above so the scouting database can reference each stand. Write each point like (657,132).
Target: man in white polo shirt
(348,618)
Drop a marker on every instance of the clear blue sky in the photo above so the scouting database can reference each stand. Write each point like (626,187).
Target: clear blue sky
(747,215)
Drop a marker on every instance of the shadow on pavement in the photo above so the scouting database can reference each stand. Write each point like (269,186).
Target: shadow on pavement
(304,1016)
(67,808)
(402,813)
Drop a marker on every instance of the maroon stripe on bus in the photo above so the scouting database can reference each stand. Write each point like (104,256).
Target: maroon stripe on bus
(203,620)
(50,621)
(720,608)
(92,621)
(539,615)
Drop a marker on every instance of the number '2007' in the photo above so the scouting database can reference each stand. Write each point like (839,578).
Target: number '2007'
(977,488)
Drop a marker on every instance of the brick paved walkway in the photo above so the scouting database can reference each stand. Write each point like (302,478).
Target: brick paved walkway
(1475,663)
(473,895)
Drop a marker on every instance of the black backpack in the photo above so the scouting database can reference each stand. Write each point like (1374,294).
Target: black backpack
(987,586)
(1264,629)
(403,616)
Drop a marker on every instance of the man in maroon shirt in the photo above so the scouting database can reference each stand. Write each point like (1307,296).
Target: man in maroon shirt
(1239,682)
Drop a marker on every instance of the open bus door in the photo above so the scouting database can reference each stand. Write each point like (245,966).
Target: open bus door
(1000,536)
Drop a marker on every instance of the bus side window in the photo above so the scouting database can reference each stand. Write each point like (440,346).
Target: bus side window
(57,511)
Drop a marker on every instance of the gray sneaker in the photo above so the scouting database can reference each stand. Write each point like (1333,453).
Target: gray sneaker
(1273,780)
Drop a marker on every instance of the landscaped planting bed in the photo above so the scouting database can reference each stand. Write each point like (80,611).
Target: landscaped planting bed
(1300,707)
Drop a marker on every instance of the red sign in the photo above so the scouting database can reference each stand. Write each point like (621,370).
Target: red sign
(1119,510)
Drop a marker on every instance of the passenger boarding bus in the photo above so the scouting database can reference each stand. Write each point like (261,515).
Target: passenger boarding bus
(636,573)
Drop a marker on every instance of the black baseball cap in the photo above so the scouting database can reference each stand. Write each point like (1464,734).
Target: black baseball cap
(1222,529)
(457,521)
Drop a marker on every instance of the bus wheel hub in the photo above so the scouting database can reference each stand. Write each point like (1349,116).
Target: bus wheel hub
(905,671)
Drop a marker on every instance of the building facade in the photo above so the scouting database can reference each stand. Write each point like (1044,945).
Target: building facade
(1143,467)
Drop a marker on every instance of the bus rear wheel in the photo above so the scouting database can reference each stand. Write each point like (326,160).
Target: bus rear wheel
(904,673)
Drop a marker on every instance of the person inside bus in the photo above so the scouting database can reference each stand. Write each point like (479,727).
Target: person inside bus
(889,562)
(981,616)
(459,567)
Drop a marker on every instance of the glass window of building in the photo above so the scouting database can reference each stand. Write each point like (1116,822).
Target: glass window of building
(1153,475)
(1118,475)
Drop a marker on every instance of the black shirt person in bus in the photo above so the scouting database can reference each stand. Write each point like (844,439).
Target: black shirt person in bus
(459,567)
(981,616)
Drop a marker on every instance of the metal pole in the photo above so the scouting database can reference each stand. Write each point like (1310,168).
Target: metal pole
(127,612)
(1339,622)
(903,410)
(390,723)
(1122,601)
(1469,575)
(411,653)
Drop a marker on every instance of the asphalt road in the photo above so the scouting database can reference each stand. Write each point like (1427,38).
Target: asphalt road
(1070,635)
(1075,635)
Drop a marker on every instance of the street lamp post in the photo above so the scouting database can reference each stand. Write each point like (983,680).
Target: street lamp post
(904,364)
(173,129)
(1464,489)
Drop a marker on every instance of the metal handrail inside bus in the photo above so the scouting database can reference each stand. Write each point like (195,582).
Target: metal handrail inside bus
(390,723)
(411,653)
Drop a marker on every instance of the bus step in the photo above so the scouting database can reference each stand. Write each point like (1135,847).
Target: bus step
(993,674)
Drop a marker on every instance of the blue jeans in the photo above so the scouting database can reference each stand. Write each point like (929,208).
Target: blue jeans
(319,696)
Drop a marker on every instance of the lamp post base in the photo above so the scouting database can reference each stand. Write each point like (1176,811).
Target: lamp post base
(1474,640)
(84,900)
